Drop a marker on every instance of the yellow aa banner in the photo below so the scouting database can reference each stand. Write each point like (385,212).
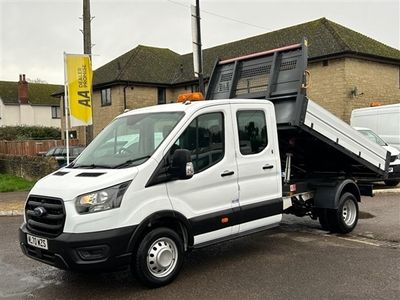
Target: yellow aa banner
(79,74)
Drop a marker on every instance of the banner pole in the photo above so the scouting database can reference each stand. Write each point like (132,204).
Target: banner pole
(66,107)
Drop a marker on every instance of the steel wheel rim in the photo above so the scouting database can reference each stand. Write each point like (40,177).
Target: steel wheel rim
(349,212)
(162,257)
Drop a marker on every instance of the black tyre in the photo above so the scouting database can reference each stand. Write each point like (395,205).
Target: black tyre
(159,257)
(344,219)
(391,182)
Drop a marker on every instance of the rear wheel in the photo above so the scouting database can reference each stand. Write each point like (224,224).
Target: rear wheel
(159,257)
(344,219)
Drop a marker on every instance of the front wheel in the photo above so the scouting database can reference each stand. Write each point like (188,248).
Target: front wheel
(344,219)
(159,257)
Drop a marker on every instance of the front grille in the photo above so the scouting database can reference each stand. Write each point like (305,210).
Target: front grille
(50,223)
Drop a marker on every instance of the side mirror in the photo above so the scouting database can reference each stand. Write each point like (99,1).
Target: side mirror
(182,166)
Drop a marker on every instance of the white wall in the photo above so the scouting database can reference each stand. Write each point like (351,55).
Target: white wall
(1,113)
(26,115)
(42,116)
(12,115)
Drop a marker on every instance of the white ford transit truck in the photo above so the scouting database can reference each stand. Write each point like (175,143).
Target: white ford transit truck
(162,180)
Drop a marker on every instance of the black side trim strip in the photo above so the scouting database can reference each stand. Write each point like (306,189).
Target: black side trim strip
(235,236)
(261,210)
(213,221)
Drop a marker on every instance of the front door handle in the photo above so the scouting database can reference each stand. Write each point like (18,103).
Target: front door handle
(267,166)
(227,173)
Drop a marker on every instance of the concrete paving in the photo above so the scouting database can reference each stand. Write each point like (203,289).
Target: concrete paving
(12,204)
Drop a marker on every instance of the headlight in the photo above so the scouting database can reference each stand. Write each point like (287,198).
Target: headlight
(101,200)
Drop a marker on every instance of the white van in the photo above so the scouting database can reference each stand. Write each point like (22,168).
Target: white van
(161,180)
(393,178)
(383,120)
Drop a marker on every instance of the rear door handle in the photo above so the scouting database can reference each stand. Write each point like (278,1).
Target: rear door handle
(227,173)
(265,167)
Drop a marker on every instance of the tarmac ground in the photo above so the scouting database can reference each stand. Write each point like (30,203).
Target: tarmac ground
(297,260)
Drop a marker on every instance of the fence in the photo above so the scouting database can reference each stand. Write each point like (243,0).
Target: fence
(31,147)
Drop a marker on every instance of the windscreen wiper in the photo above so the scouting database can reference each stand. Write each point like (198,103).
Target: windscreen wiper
(130,161)
(92,166)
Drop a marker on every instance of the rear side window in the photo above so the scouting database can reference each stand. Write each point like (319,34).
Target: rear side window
(204,138)
(252,130)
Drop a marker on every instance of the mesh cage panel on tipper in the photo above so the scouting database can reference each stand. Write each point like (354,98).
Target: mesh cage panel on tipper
(277,75)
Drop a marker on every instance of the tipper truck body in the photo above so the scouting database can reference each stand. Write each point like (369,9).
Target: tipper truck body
(162,180)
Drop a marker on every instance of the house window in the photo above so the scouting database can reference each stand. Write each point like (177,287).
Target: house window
(161,95)
(72,134)
(194,88)
(106,97)
(55,112)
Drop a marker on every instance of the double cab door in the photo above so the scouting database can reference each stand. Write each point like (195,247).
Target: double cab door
(236,185)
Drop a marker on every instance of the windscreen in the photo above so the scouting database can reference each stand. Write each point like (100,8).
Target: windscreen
(372,136)
(128,141)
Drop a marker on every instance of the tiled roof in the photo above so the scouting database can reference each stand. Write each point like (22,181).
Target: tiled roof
(164,67)
(141,64)
(39,93)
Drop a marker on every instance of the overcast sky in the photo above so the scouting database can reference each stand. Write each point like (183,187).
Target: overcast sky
(35,33)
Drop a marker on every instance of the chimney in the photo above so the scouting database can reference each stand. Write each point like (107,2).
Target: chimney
(23,90)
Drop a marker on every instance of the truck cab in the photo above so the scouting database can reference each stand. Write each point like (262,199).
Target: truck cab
(92,214)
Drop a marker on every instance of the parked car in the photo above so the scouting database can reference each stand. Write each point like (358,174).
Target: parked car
(384,120)
(60,153)
(394,168)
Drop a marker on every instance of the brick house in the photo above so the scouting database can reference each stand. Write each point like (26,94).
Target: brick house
(349,70)
(23,103)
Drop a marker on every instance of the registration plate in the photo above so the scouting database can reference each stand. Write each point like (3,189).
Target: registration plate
(37,242)
(390,170)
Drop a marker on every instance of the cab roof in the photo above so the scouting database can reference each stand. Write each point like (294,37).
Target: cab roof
(191,106)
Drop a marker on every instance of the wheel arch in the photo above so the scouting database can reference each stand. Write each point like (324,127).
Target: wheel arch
(328,196)
(351,187)
(166,218)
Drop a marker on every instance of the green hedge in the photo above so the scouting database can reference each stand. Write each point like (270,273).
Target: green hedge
(12,133)
(28,167)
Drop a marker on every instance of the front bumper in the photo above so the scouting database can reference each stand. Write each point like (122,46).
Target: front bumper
(395,175)
(103,250)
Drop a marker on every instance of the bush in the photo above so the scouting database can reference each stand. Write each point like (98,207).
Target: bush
(12,133)
(28,167)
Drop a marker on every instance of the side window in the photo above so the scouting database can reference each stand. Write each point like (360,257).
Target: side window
(252,130)
(204,138)
(58,151)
